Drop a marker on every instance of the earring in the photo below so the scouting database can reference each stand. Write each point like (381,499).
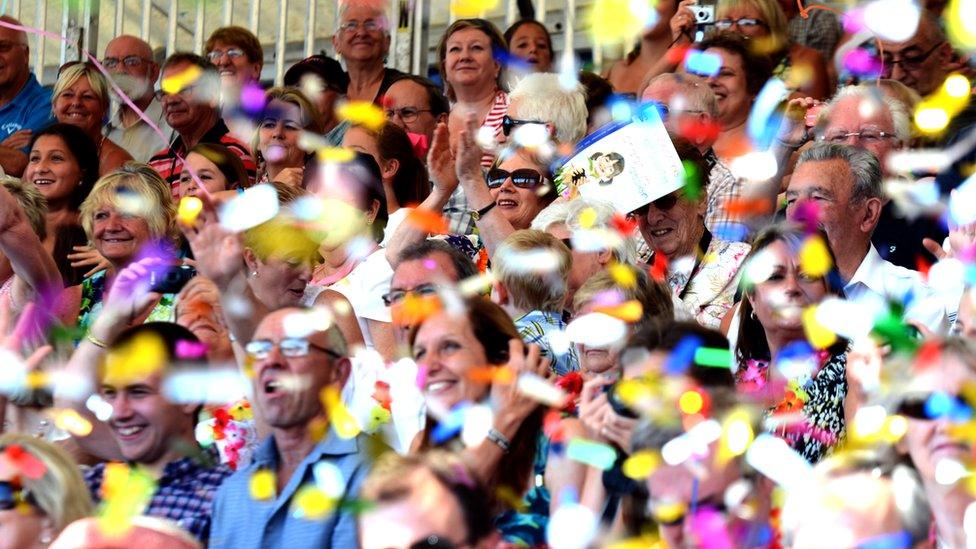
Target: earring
(254,274)
(752,315)
(45,539)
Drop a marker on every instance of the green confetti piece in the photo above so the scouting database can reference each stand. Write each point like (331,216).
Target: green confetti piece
(692,187)
(713,357)
(591,453)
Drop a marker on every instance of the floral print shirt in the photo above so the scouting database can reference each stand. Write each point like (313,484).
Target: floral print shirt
(707,287)
(92,293)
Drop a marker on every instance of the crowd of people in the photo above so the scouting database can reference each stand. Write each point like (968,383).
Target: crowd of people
(372,309)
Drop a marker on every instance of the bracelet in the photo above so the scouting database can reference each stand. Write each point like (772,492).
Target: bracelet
(499,439)
(96,342)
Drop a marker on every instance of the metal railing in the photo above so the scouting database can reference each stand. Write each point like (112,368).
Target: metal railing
(288,29)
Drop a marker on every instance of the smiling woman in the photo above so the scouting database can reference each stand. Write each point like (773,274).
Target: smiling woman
(81,99)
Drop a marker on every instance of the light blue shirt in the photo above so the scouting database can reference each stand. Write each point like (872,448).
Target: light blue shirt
(30,109)
(242,522)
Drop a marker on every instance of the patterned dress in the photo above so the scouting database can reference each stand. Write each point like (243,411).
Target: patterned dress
(528,528)
(810,417)
(92,293)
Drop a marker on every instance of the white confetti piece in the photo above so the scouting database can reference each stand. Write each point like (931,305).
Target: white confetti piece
(535,387)
(754,166)
(249,209)
(845,318)
(772,457)
(597,330)
(478,420)
(572,526)
(892,20)
(329,479)
(208,386)
(949,471)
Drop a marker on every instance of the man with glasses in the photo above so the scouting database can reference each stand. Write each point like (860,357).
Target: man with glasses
(417,105)
(922,62)
(130,62)
(25,106)
(189,99)
(293,364)
(363,41)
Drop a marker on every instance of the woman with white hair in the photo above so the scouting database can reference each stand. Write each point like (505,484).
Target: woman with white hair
(81,99)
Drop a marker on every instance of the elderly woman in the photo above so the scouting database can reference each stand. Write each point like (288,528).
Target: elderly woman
(363,42)
(736,84)
(628,74)
(237,54)
(674,226)
(287,113)
(776,292)
(35,508)
(80,98)
(473,74)
(515,456)
(216,167)
(530,42)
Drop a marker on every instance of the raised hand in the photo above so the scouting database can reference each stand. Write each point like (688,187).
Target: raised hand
(511,405)
(129,299)
(683,22)
(961,240)
(469,154)
(218,252)
(291,176)
(86,256)
(441,162)
(17,140)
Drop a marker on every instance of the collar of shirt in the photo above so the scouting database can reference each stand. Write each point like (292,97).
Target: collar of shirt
(154,112)
(266,455)
(213,135)
(542,317)
(870,273)
(20,101)
(189,465)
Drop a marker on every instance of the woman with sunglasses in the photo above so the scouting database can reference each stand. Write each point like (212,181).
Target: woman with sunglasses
(81,99)
(34,508)
(929,440)
(776,292)
(674,227)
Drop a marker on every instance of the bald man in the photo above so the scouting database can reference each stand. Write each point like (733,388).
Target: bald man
(922,62)
(130,61)
(25,106)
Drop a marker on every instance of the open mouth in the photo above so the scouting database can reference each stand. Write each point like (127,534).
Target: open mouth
(116,240)
(506,203)
(658,233)
(43,182)
(439,386)
(130,432)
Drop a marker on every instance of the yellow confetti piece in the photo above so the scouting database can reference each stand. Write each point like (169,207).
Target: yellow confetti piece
(311,503)
(338,155)
(190,208)
(472,8)
(343,422)
(587,218)
(36,379)
(178,82)
(737,435)
(138,359)
(960,24)
(362,113)
(125,493)
(623,275)
(814,257)
(73,422)
(616,21)
(646,541)
(641,464)
(668,512)
(628,311)
(262,485)
(691,402)
(818,335)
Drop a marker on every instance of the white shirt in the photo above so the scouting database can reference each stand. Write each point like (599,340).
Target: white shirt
(139,139)
(877,281)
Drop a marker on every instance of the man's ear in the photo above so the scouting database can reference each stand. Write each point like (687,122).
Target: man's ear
(251,260)
(499,293)
(872,213)
(340,372)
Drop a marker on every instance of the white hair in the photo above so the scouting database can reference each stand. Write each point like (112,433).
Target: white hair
(693,88)
(569,214)
(541,96)
(378,5)
(900,119)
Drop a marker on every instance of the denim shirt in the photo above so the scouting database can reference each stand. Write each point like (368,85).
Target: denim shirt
(242,522)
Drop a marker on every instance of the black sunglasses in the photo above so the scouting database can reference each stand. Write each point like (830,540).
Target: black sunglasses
(665,203)
(523,178)
(509,123)
(12,495)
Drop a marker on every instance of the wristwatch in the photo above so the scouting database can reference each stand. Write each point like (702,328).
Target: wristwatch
(478,214)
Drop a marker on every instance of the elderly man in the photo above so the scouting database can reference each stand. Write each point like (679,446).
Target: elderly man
(689,109)
(540,98)
(363,42)
(862,116)
(293,366)
(25,106)
(130,60)
(192,112)
(842,186)
(923,61)
(416,104)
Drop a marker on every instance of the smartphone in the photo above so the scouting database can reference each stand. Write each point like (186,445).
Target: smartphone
(171,280)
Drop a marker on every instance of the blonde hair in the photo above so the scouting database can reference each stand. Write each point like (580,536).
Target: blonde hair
(311,117)
(533,283)
(31,201)
(71,74)
(771,13)
(61,493)
(153,198)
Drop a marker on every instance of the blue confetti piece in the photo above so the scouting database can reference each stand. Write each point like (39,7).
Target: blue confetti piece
(621,111)
(684,352)
(764,120)
(450,426)
(898,540)
(703,63)
(731,231)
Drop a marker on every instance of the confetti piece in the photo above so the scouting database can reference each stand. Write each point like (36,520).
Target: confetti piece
(690,402)
(252,98)
(597,330)
(28,464)
(249,209)
(329,479)
(342,420)
(772,457)
(618,21)
(892,20)
(622,275)
(102,410)
(539,389)
(628,311)
(591,453)
(361,113)
(682,355)
(204,385)
(472,8)
(311,503)
(737,435)
(641,464)
(190,208)
(178,82)
(587,218)
(572,526)
(73,422)
(125,493)
(703,63)
(429,222)
(668,513)
(765,118)
(478,420)
(138,359)
(335,155)
(814,257)
(754,166)
(262,485)
(961,29)
(818,336)
(713,357)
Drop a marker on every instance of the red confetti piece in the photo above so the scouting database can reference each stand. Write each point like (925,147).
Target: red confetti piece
(29,466)
(659,269)
(623,224)
(922,266)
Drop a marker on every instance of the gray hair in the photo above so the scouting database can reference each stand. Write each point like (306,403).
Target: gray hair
(694,89)
(875,96)
(569,214)
(541,96)
(378,6)
(865,168)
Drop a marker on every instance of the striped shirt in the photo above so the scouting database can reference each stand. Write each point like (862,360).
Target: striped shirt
(169,162)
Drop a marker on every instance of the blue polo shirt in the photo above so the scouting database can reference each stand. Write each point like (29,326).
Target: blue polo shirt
(242,522)
(30,109)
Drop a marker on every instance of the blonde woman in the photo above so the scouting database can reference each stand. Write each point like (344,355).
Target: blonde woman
(80,98)
(287,113)
(34,509)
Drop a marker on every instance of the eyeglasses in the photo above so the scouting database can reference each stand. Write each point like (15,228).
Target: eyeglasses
(864,136)
(523,178)
(368,25)
(5,47)
(396,296)
(291,347)
(407,114)
(232,53)
(743,23)
(509,123)
(935,405)
(131,61)
(908,62)
(665,203)
(12,495)
(185,92)
(664,110)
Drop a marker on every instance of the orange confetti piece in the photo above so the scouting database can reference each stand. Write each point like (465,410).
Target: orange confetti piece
(744,207)
(415,309)
(428,222)
(628,311)
(490,374)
